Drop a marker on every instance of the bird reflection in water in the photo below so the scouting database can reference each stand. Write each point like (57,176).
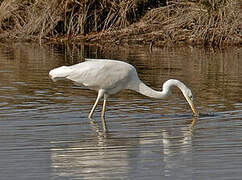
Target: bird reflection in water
(177,149)
(108,154)
(93,157)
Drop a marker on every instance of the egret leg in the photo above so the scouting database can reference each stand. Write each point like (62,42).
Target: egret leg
(104,106)
(103,114)
(99,96)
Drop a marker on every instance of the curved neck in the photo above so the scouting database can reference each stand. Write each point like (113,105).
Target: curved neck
(166,90)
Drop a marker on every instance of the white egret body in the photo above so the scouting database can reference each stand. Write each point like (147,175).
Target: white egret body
(110,77)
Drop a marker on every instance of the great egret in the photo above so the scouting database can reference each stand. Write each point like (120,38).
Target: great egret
(110,77)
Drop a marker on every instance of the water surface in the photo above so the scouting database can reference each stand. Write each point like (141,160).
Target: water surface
(45,132)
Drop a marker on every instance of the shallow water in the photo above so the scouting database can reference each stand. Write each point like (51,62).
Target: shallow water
(45,132)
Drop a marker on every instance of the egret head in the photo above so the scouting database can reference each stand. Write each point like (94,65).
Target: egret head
(189,97)
(184,89)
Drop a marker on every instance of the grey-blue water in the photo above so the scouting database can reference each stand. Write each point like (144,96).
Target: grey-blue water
(45,132)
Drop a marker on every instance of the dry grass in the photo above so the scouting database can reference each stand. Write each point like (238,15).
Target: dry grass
(204,22)
(38,19)
(26,20)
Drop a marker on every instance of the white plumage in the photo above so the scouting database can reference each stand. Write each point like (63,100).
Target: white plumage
(110,77)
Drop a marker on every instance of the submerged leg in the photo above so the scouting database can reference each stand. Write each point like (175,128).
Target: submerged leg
(103,114)
(99,96)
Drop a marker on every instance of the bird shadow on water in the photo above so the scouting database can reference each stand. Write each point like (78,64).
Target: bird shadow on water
(207,114)
(201,114)
(195,119)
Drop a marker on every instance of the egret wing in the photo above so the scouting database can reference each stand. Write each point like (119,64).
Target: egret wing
(101,74)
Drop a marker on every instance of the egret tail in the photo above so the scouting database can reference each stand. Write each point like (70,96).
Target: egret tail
(60,73)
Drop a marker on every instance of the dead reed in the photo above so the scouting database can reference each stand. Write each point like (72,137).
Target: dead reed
(203,22)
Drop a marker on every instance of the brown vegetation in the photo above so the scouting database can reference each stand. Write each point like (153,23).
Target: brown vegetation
(203,22)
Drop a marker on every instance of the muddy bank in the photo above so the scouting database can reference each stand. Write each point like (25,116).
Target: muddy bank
(153,23)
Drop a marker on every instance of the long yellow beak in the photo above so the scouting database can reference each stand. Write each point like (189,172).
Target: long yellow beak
(194,109)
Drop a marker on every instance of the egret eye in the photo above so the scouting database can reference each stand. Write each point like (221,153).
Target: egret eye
(191,98)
